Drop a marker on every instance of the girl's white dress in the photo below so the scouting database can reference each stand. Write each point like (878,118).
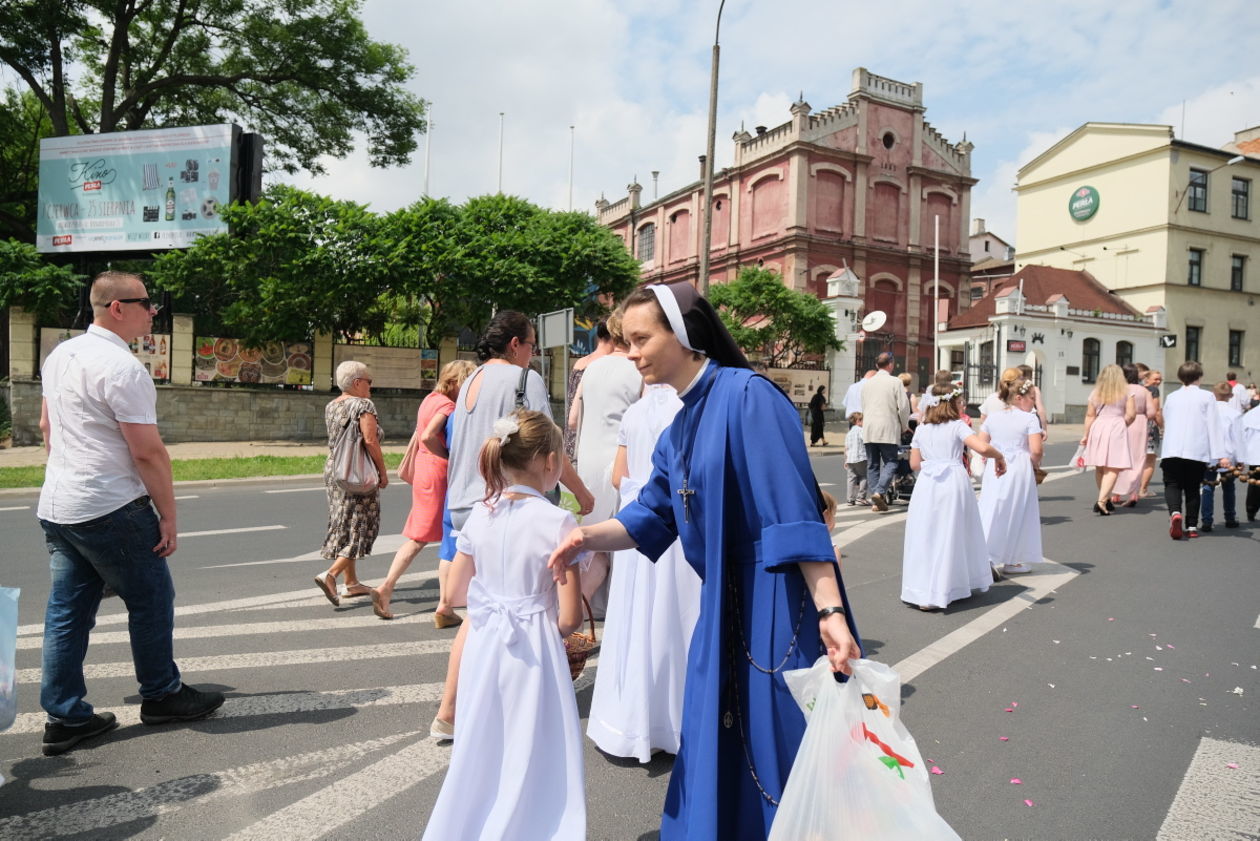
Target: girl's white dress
(516,765)
(945,557)
(1009,512)
(652,611)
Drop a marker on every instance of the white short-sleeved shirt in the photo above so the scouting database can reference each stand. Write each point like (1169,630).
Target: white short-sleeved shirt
(92,383)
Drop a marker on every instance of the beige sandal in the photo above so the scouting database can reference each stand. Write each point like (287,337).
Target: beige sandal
(328,585)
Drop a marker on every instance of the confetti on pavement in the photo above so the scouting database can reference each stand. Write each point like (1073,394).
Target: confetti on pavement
(1016,781)
(1029,803)
(936,770)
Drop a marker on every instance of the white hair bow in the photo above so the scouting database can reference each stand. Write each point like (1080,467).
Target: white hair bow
(503,429)
(930,400)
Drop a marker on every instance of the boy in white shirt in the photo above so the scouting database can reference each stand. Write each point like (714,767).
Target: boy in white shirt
(1192,440)
(1249,454)
(855,460)
(1228,415)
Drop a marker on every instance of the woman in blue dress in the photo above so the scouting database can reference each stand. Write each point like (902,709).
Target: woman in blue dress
(732,480)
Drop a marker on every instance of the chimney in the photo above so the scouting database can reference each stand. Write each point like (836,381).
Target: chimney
(977,227)
(702,159)
(760,130)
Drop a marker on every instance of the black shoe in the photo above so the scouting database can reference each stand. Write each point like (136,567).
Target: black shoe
(1206,527)
(187,704)
(1111,506)
(1098,509)
(59,738)
(1231,524)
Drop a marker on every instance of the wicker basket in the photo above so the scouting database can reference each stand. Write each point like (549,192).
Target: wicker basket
(578,646)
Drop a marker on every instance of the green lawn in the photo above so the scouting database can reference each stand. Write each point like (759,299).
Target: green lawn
(205,468)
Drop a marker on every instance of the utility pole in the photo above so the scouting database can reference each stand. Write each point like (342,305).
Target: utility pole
(708,159)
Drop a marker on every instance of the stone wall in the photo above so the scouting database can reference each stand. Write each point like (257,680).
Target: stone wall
(193,413)
(200,413)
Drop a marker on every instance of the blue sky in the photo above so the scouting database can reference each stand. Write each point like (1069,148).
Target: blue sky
(632,77)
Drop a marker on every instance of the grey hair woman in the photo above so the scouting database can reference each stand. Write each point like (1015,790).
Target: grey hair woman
(354,520)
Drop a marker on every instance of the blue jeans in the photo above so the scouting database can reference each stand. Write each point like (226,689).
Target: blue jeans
(116,549)
(881,463)
(1207,504)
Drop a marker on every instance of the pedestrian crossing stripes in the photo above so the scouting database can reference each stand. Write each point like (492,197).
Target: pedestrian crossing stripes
(1219,795)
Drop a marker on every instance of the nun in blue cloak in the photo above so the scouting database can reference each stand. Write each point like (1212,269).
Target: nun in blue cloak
(732,480)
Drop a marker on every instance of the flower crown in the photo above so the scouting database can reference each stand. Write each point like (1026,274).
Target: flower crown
(930,400)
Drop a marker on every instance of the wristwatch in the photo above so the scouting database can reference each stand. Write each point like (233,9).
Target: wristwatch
(827,611)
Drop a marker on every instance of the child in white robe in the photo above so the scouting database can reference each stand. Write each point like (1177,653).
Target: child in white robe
(636,707)
(945,556)
(516,766)
(1009,510)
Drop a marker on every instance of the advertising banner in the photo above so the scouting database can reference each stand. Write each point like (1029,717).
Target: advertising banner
(134,190)
(153,350)
(222,360)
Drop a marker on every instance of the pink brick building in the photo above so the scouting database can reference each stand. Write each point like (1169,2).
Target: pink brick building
(858,184)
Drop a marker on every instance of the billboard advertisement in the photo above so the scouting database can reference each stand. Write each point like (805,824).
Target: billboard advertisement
(134,190)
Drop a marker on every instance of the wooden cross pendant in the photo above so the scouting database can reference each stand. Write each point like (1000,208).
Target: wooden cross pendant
(686,493)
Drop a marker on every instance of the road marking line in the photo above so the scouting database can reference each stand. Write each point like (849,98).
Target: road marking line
(1214,800)
(385,545)
(317,816)
(263,659)
(1258,621)
(245,706)
(189,496)
(294,490)
(243,781)
(242,530)
(238,629)
(307,594)
(16,508)
(1040,584)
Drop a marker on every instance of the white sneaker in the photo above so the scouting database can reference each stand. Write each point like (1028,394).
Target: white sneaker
(442,731)
(1016,569)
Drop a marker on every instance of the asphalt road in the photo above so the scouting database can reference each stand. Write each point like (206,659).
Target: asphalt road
(1128,666)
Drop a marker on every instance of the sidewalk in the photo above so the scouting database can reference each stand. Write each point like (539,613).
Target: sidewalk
(31,456)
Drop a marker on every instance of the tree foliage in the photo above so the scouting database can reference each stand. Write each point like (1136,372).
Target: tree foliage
(28,281)
(304,73)
(768,319)
(297,263)
(23,122)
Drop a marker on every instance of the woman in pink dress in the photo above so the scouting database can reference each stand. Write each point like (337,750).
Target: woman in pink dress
(1130,479)
(1106,441)
(428,493)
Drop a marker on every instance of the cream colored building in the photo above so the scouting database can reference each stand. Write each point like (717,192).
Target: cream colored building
(1160,223)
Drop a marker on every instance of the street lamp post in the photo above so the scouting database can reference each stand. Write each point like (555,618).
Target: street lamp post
(708,158)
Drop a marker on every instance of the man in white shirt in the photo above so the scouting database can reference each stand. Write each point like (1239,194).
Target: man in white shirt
(1192,440)
(107,471)
(1229,418)
(885,416)
(1238,398)
(853,395)
(1249,454)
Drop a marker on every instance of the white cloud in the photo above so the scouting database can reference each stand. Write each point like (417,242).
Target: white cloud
(633,77)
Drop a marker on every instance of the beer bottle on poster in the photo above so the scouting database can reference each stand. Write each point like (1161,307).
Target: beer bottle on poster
(170,200)
(162,346)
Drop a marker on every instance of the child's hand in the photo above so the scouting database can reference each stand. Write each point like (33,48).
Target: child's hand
(564,554)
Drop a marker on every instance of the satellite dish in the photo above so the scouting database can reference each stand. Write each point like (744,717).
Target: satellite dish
(874,321)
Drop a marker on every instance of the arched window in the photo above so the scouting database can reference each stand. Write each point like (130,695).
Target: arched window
(646,249)
(1091,358)
(1124,353)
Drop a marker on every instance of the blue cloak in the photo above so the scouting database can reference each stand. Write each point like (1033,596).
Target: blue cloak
(753,517)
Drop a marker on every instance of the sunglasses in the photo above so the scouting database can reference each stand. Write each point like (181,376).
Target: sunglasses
(147,303)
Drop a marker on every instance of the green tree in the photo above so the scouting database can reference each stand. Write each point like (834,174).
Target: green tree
(23,122)
(770,320)
(28,281)
(296,263)
(304,73)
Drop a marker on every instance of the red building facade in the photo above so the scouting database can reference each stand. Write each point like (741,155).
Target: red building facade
(859,184)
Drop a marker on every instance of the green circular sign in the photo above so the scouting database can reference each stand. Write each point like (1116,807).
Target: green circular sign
(1084,203)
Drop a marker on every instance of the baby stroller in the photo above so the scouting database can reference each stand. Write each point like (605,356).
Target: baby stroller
(902,484)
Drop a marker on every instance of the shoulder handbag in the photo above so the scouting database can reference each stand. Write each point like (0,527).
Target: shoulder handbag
(553,495)
(407,468)
(353,469)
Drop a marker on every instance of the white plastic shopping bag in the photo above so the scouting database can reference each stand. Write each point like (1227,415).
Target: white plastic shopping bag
(859,773)
(1078,459)
(8,655)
